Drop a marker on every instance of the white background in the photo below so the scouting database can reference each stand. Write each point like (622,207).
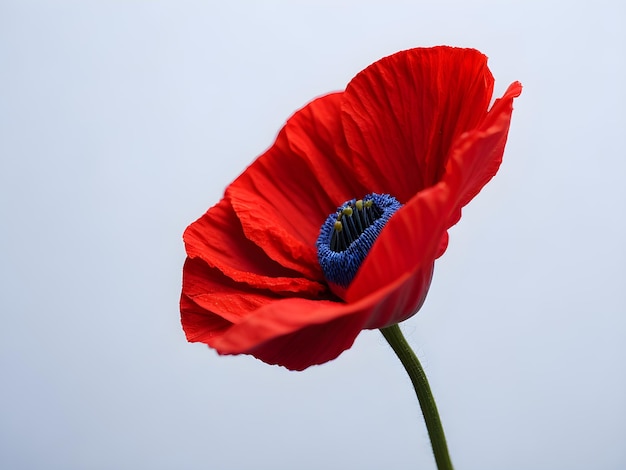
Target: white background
(122,121)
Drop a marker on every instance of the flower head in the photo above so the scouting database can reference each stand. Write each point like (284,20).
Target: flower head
(336,227)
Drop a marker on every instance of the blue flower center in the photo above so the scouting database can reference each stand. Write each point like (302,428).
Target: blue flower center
(347,235)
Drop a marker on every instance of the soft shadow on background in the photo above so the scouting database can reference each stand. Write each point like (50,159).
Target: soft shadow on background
(122,121)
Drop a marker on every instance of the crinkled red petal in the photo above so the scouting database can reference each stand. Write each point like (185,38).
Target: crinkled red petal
(315,134)
(283,198)
(402,113)
(235,319)
(219,295)
(477,155)
(298,333)
(200,325)
(218,239)
(268,332)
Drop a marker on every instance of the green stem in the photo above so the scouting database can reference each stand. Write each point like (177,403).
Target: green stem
(409,360)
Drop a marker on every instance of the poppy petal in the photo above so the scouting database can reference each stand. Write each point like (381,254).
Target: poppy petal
(477,155)
(200,325)
(218,239)
(316,135)
(283,198)
(313,345)
(218,295)
(402,113)
(297,333)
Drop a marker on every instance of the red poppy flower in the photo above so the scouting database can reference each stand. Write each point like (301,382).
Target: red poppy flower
(414,128)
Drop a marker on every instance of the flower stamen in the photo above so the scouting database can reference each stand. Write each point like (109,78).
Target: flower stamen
(351,222)
(347,235)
